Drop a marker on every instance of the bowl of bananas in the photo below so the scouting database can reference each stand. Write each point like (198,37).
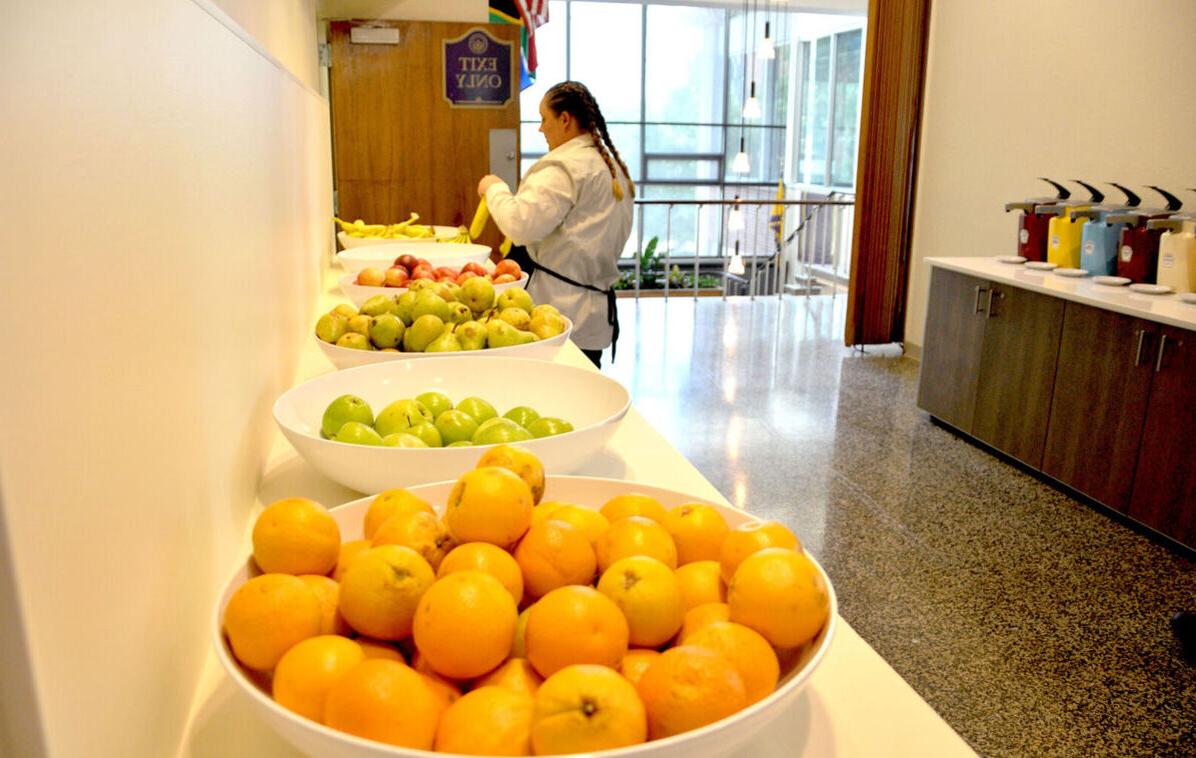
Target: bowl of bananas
(360,234)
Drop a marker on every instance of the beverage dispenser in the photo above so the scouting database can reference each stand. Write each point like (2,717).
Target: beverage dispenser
(1100,238)
(1032,226)
(1177,251)
(1138,251)
(1063,233)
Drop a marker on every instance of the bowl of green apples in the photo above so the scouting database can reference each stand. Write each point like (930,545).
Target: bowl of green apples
(400,423)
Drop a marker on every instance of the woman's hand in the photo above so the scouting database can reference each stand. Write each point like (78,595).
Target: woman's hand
(486,183)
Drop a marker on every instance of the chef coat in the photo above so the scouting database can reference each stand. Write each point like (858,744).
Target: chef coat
(566,214)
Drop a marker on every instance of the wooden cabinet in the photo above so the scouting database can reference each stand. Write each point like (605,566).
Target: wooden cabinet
(953,344)
(1101,388)
(1164,495)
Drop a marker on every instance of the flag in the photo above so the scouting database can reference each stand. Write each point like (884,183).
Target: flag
(529,14)
(776,221)
(504,15)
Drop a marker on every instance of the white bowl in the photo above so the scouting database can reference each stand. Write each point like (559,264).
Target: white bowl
(451,254)
(347,357)
(592,402)
(359,293)
(722,738)
(438,232)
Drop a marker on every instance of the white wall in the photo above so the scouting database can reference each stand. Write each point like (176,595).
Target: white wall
(164,205)
(1096,89)
(284,29)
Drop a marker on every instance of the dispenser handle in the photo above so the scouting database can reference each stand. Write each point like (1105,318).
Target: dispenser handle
(1025,207)
(1170,224)
(1096,195)
(1049,209)
(1122,218)
(1061,192)
(1087,213)
(1173,202)
(1131,197)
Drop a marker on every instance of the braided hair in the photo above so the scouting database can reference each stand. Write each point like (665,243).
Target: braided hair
(575,99)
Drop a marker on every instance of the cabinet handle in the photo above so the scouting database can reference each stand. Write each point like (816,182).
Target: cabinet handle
(978,289)
(988,310)
(1138,354)
(1158,363)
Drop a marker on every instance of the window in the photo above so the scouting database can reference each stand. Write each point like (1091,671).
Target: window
(829,71)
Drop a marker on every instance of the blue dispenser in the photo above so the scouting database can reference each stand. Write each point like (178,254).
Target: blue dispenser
(1099,237)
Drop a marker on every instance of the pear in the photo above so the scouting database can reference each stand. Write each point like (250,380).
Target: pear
(516,317)
(387,331)
(355,341)
(459,313)
(421,333)
(523,338)
(501,334)
(445,343)
(379,304)
(400,416)
(345,310)
(478,294)
(544,308)
(448,291)
(331,326)
(404,305)
(547,325)
(418,285)
(428,302)
(471,335)
(361,324)
(515,297)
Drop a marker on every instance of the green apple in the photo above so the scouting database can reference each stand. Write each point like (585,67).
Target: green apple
(428,302)
(515,297)
(428,433)
(460,443)
(387,331)
(403,439)
(345,310)
(357,433)
(400,416)
(455,426)
(471,334)
(547,325)
(522,415)
(516,317)
(436,402)
(445,343)
(404,305)
(501,334)
(331,327)
(478,408)
(379,304)
(459,313)
(355,341)
(421,333)
(503,430)
(341,411)
(478,294)
(547,426)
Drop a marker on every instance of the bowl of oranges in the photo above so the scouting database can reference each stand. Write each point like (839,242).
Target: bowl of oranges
(509,613)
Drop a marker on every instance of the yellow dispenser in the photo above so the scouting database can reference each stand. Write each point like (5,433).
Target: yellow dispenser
(1177,252)
(1064,234)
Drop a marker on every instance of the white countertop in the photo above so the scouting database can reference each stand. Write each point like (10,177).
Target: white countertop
(853,705)
(1165,309)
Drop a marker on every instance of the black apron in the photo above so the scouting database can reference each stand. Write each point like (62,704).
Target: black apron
(519,254)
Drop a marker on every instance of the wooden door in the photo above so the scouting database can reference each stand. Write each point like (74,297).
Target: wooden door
(1164,496)
(1017,371)
(398,146)
(951,356)
(1101,387)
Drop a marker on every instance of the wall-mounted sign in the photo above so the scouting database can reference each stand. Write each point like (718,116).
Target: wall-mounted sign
(477,71)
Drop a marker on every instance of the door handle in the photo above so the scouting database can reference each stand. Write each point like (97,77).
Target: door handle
(979,290)
(1158,363)
(1138,353)
(988,309)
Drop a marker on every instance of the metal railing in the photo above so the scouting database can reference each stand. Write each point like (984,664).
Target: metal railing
(814,245)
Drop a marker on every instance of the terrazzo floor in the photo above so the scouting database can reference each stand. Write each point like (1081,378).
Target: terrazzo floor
(1032,623)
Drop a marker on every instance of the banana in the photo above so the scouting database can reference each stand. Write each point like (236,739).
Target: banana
(480,217)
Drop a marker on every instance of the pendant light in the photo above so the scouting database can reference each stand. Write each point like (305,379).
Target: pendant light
(735,219)
(741,165)
(751,107)
(767,50)
(736,264)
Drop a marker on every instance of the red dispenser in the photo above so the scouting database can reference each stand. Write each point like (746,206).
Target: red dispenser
(1138,253)
(1032,226)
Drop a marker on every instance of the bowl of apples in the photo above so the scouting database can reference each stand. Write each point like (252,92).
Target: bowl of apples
(395,279)
(439,255)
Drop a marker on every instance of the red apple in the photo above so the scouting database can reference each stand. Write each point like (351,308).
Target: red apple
(408,261)
(507,266)
(371,277)
(445,272)
(504,278)
(397,276)
(422,273)
(423,262)
(475,268)
(465,276)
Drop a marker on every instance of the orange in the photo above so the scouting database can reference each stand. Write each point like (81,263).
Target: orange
(519,646)
(489,559)
(385,701)
(488,721)
(688,687)
(489,504)
(585,708)
(748,652)
(553,554)
(422,532)
(445,691)
(392,503)
(592,523)
(379,649)
(698,529)
(699,616)
(636,535)
(543,511)
(575,624)
(746,539)
(328,592)
(636,662)
(349,551)
(633,504)
(296,536)
(465,624)
(267,616)
(520,461)
(307,672)
(701,582)
(381,589)
(646,592)
(781,594)
(516,674)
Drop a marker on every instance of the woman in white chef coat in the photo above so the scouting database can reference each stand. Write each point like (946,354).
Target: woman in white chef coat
(573,214)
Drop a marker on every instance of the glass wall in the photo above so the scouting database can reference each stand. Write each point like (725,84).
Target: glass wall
(830,70)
